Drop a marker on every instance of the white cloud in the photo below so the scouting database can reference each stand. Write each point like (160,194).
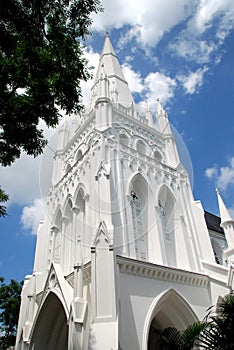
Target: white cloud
(193,81)
(133,78)
(224,176)
(154,85)
(208,10)
(32,215)
(21,179)
(211,172)
(149,20)
(193,42)
(160,86)
(231,211)
(194,49)
(93,61)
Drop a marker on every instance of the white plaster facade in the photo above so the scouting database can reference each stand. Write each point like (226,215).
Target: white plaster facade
(124,248)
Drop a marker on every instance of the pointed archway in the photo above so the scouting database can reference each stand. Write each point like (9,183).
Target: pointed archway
(51,329)
(168,310)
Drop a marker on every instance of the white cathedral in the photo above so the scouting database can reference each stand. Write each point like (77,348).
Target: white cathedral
(124,247)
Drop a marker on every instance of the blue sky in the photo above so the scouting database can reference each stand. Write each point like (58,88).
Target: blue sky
(180,51)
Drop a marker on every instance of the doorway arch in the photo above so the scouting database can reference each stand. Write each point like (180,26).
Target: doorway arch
(51,329)
(169,309)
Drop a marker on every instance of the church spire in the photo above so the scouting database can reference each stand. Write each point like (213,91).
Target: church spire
(227,223)
(107,47)
(224,213)
(114,74)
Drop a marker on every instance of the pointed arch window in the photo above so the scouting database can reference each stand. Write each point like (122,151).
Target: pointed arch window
(166,204)
(139,209)
(218,251)
(80,210)
(141,147)
(57,229)
(124,140)
(79,155)
(68,168)
(157,156)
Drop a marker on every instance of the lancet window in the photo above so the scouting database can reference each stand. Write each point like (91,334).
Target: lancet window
(139,209)
(141,147)
(124,140)
(80,219)
(166,211)
(218,251)
(57,230)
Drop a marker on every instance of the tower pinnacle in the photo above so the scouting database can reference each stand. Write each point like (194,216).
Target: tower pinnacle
(224,213)
(114,74)
(227,223)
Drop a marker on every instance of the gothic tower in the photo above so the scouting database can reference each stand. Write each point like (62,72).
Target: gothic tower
(124,248)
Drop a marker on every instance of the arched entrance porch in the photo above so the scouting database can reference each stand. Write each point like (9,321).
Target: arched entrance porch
(170,309)
(51,329)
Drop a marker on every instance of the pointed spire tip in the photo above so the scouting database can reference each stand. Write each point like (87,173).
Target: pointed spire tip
(224,213)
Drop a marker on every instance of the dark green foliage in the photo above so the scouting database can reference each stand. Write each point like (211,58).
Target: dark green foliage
(3,199)
(172,339)
(218,334)
(41,66)
(9,311)
(215,332)
(191,334)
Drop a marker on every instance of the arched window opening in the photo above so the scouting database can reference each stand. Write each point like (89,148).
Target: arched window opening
(79,155)
(170,311)
(68,168)
(57,230)
(124,140)
(141,147)
(81,237)
(218,252)
(166,205)
(139,209)
(157,156)
(68,237)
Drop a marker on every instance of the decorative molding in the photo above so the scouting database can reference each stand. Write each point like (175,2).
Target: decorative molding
(104,169)
(159,272)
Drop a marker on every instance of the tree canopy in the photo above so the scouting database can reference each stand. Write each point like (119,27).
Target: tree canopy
(3,199)
(41,66)
(9,311)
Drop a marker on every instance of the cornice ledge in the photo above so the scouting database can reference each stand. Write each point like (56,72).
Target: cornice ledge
(215,271)
(159,272)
